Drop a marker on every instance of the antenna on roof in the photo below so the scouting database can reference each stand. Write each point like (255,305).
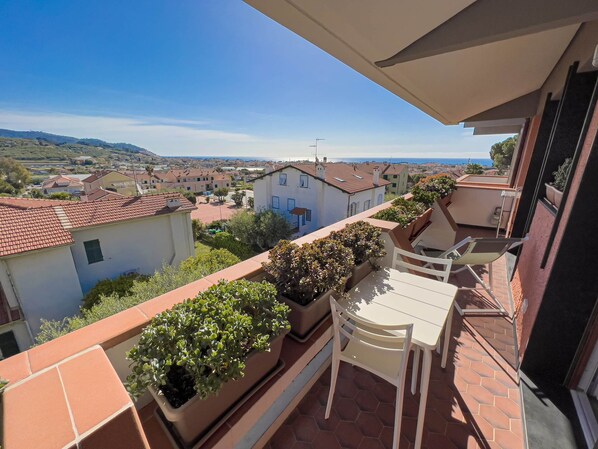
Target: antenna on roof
(316,147)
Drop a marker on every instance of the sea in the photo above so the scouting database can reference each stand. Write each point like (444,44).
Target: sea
(393,160)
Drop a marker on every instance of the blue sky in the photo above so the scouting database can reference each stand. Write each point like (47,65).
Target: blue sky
(209,77)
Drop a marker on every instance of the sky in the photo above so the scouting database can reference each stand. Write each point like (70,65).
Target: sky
(200,78)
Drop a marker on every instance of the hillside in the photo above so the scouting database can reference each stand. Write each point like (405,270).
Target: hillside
(62,140)
(43,150)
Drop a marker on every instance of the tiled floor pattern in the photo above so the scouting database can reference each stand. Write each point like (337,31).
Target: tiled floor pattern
(474,403)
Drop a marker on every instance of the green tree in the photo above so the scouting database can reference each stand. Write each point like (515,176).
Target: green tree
(13,176)
(501,153)
(250,202)
(474,169)
(221,193)
(237,197)
(271,228)
(61,196)
(242,225)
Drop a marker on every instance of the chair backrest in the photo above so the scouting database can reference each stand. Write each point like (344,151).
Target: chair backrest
(394,338)
(431,266)
(482,251)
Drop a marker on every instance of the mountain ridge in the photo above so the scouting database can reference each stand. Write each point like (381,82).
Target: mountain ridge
(59,140)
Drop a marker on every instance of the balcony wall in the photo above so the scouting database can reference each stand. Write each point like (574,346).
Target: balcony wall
(477,198)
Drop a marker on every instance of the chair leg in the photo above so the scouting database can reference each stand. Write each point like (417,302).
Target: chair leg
(398,417)
(416,352)
(333,376)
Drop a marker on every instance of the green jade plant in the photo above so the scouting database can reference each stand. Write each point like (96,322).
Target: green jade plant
(200,344)
(302,273)
(363,240)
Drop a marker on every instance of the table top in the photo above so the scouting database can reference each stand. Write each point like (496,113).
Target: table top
(389,296)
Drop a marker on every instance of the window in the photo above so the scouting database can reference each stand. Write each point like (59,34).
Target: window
(394,184)
(290,204)
(307,214)
(8,345)
(394,176)
(366,205)
(188,188)
(93,251)
(303,220)
(353,209)
(303,181)
(282,179)
(275,202)
(380,198)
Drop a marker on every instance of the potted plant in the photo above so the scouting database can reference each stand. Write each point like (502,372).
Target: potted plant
(305,277)
(442,184)
(554,190)
(203,355)
(411,215)
(366,244)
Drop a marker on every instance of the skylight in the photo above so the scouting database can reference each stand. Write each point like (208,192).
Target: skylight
(339,179)
(358,177)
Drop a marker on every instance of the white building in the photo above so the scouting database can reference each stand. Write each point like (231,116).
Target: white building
(53,252)
(314,195)
(63,184)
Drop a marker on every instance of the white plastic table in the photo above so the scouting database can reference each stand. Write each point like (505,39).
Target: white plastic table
(389,296)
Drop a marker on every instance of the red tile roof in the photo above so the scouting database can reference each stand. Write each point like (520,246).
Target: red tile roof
(33,228)
(83,214)
(61,181)
(100,195)
(345,177)
(30,203)
(100,174)
(30,229)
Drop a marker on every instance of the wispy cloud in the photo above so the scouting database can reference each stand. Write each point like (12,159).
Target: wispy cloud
(170,136)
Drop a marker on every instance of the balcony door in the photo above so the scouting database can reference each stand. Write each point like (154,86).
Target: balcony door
(585,398)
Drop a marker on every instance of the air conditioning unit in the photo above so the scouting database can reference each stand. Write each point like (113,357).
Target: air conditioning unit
(173,203)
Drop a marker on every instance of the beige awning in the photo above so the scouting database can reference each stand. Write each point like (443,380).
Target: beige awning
(455,59)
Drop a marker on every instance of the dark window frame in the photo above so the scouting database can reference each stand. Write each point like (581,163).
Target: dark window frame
(91,251)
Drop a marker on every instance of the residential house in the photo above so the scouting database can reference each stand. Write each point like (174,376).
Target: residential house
(196,180)
(53,252)
(396,174)
(313,195)
(100,194)
(62,184)
(110,180)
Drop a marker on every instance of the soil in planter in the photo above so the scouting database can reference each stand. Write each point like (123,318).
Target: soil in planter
(180,387)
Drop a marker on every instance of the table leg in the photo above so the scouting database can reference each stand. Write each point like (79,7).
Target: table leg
(415,369)
(447,337)
(425,383)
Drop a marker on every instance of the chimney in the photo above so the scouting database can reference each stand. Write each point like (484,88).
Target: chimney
(320,171)
(376,175)
(325,159)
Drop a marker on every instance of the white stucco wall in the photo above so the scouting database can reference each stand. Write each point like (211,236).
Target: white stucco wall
(139,245)
(475,206)
(328,204)
(46,284)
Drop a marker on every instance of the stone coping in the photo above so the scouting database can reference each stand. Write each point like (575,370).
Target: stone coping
(120,327)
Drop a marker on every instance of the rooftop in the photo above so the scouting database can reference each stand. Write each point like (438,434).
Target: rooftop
(31,224)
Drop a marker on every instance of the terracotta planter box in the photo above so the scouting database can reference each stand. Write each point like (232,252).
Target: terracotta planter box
(304,318)
(558,197)
(554,195)
(420,222)
(194,418)
(446,199)
(358,273)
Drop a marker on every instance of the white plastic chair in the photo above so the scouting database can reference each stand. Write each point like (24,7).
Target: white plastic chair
(380,349)
(473,251)
(427,267)
(428,264)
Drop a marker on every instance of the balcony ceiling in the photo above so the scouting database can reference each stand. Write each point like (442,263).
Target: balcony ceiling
(454,60)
